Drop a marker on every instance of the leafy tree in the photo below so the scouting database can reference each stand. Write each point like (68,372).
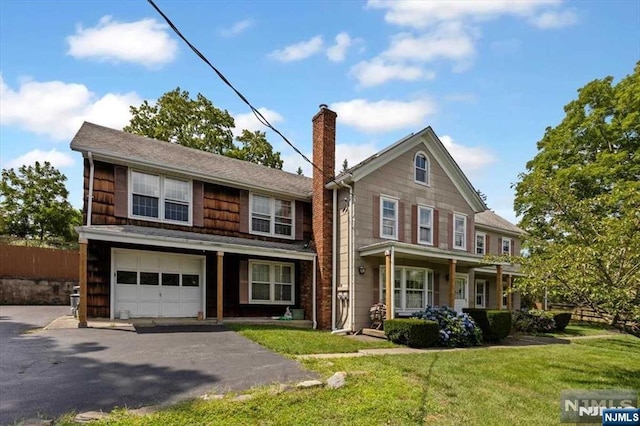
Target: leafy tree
(255,148)
(197,123)
(580,202)
(34,206)
(299,171)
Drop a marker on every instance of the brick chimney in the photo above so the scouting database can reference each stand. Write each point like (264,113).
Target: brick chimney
(324,156)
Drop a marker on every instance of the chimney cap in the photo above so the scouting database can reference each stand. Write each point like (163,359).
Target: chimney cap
(323,106)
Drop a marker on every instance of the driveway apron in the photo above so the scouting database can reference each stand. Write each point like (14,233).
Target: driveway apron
(52,372)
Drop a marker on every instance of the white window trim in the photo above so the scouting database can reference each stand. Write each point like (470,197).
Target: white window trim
(427,171)
(484,245)
(394,200)
(453,229)
(428,291)
(426,243)
(484,294)
(272,283)
(272,217)
(161,199)
(464,277)
(510,245)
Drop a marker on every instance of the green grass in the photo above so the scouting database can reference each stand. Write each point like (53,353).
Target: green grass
(297,341)
(582,328)
(519,385)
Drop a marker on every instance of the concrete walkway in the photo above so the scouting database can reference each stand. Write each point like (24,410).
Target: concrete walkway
(521,342)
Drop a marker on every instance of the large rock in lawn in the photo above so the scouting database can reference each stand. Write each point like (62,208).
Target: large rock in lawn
(337,381)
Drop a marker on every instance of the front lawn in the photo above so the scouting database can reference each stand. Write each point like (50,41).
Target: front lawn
(297,341)
(583,328)
(519,385)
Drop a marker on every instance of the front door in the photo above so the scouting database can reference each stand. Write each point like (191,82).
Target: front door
(462,293)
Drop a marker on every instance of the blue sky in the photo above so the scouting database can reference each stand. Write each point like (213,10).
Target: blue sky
(488,76)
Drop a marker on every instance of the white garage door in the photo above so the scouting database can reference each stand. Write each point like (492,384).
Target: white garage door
(150,284)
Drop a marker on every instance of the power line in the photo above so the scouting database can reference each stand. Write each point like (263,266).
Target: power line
(257,113)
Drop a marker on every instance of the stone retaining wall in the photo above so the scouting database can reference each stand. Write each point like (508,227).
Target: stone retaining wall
(30,291)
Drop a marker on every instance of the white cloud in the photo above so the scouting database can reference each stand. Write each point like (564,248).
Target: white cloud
(449,40)
(57,109)
(354,153)
(237,28)
(56,158)
(145,42)
(383,115)
(423,14)
(250,122)
(469,158)
(338,51)
(299,51)
(378,71)
(554,19)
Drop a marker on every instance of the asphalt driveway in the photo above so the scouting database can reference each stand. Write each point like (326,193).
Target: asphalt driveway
(51,372)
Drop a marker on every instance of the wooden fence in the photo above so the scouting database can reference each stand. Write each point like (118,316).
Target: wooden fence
(39,263)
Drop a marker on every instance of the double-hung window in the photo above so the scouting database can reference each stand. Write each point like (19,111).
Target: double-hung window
(506,246)
(425,225)
(271,283)
(421,170)
(459,231)
(412,289)
(481,239)
(271,216)
(388,218)
(160,197)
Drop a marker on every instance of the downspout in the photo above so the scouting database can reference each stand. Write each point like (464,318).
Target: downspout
(314,285)
(333,260)
(393,282)
(349,259)
(90,198)
(352,255)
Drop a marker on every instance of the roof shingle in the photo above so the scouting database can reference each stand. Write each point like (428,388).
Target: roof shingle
(133,148)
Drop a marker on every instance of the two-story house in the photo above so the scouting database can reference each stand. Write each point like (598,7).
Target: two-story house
(175,232)
(409,215)
(171,231)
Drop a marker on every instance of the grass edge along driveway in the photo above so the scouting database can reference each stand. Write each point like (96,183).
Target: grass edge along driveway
(481,386)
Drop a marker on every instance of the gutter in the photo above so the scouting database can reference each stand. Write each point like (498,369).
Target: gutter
(315,302)
(90,197)
(334,283)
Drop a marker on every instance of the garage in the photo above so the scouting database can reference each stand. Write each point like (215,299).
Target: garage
(153,284)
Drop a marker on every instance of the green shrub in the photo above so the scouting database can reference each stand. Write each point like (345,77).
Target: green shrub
(500,324)
(495,324)
(533,321)
(415,333)
(562,320)
(457,330)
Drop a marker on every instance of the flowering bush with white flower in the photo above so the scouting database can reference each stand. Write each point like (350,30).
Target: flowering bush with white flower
(533,321)
(456,329)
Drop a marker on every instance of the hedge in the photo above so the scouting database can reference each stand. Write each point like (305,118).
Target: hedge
(495,324)
(562,320)
(415,333)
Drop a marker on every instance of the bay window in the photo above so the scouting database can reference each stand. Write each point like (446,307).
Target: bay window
(412,289)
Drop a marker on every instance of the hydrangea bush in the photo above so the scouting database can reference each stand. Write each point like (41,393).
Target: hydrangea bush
(456,329)
(533,321)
